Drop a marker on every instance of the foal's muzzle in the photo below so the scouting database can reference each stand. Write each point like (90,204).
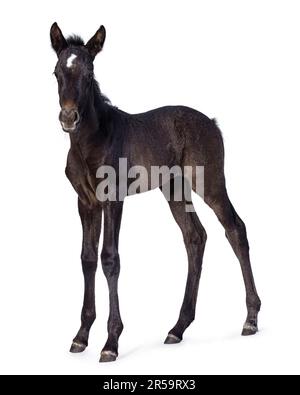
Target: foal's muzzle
(69,119)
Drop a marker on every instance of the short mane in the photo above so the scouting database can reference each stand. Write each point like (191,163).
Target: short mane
(99,94)
(75,40)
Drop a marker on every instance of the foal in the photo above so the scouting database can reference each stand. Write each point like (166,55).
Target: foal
(100,134)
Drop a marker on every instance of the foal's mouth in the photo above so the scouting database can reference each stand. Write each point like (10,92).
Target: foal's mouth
(70,129)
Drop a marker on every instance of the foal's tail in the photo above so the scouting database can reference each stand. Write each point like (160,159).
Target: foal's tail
(219,134)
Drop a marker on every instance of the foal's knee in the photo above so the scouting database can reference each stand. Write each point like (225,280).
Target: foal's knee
(203,237)
(89,257)
(89,266)
(110,263)
(196,239)
(89,261)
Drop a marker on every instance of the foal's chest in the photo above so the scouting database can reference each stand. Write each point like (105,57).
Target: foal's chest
(81,171)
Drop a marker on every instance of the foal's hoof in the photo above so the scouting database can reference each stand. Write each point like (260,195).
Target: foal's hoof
(172,339)
(249,329)
(77,347)
(108,356)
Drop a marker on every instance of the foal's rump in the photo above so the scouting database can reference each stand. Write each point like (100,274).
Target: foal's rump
(178,136)
(184,136)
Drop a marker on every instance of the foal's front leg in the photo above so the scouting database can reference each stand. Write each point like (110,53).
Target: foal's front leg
(111,268)
(91,226)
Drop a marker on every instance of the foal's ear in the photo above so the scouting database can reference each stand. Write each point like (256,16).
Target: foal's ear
(57,39)
(95,44)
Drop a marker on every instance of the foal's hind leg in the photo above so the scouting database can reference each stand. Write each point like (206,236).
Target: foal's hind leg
(236,234)
(91,226)
(194,236)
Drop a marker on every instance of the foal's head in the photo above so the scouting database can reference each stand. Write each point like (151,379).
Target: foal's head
(74,73)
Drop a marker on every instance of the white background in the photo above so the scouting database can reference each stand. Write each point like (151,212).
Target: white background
(235,60)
